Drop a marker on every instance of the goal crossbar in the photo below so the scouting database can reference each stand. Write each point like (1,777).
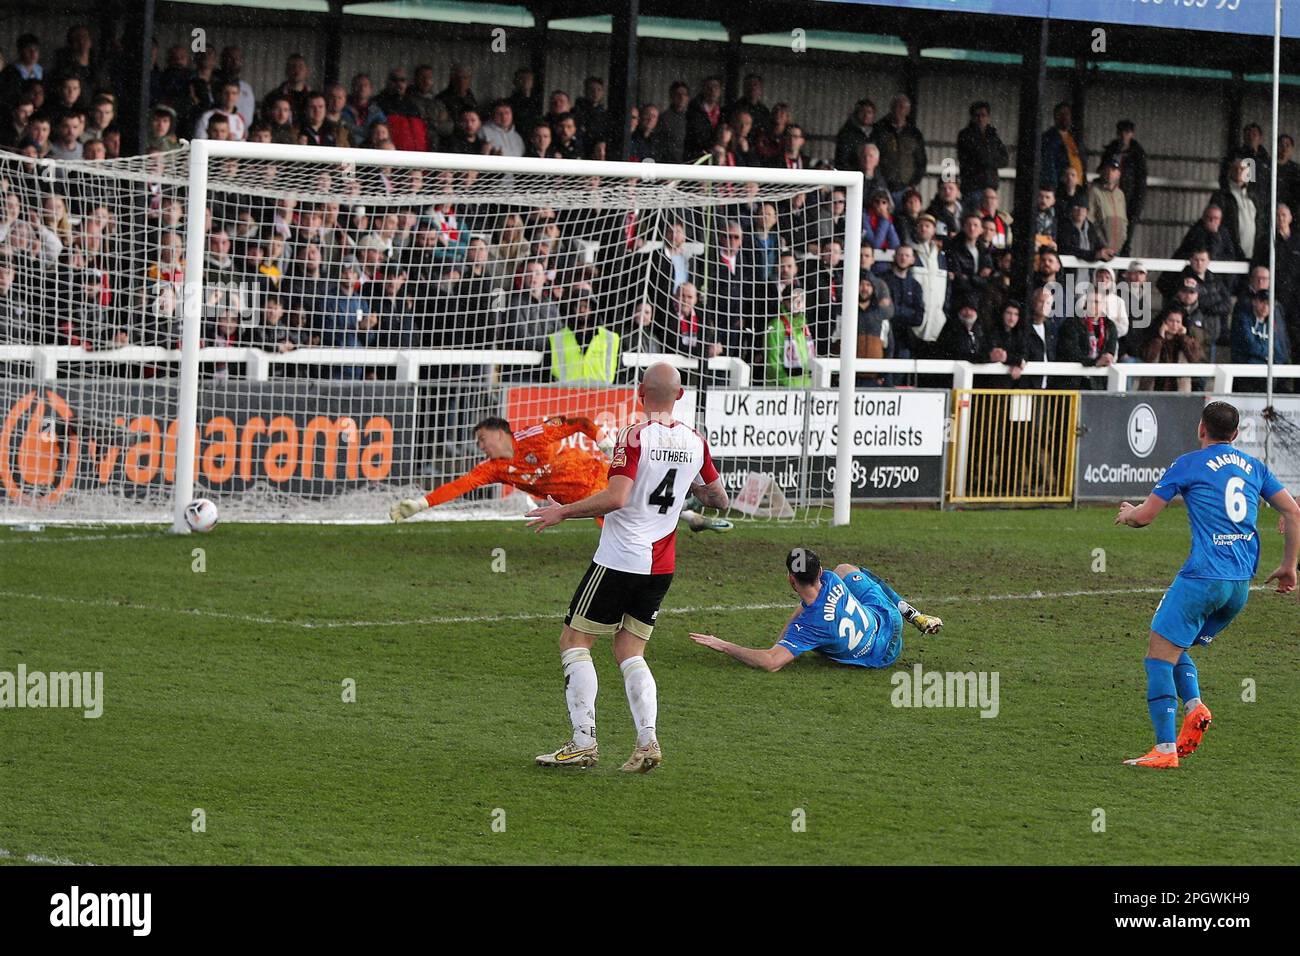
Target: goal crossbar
(202,150)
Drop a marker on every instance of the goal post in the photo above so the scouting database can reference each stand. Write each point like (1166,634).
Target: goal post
(191,334)
(308,334)
(848,348)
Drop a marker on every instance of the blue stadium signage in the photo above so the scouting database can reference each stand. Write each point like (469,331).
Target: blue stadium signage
(1252,17)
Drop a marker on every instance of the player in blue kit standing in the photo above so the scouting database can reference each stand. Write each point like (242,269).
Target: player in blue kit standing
(1221,487)
(848,615)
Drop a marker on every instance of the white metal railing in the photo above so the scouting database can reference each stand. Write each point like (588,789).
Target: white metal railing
(1220,267)
(739,374)
(258,364)
(1223,267)
(1226,267)
(1008,174)
(1118,376)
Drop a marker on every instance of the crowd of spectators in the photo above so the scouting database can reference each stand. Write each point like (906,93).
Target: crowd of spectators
(756,278)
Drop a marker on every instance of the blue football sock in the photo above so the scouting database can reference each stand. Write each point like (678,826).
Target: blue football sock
(1189,687)
(1161,701)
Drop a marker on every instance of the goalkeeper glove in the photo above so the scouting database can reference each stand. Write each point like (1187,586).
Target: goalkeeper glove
(606,445)
(407,507)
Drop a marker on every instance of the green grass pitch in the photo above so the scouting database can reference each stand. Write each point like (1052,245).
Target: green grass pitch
(223,691)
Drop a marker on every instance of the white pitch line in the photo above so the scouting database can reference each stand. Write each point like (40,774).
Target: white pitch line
(555,614)
(52,861)
(35,537)
(123,605)
(42,859)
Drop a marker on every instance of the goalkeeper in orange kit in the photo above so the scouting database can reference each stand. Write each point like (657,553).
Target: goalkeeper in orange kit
(533,461)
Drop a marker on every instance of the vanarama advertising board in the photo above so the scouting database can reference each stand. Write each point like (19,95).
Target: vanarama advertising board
(118,438)
(898,440)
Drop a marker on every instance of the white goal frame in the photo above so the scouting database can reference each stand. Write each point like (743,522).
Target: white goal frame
(203,152)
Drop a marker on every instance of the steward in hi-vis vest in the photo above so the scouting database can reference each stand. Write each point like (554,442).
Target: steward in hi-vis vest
(571,364)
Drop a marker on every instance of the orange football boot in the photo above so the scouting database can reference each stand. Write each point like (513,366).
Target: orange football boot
(1155,759)
(1195,724)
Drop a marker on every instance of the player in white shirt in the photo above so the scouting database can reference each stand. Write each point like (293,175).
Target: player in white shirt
(656,464)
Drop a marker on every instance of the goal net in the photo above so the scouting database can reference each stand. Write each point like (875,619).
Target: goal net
(330,325)
(1270,430)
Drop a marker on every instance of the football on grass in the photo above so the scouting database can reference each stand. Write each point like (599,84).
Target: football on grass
(201,515)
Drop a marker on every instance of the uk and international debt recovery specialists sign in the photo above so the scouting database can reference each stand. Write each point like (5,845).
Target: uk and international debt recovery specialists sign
(898,438)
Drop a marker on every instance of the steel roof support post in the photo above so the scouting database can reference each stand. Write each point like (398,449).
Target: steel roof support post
(1033,89)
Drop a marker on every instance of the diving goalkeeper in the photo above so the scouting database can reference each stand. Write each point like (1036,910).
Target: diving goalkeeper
(534,461)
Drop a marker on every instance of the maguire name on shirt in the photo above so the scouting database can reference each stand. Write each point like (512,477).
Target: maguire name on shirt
(1230,458)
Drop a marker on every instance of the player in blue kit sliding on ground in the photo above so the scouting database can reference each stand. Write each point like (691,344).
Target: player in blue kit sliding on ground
(848,615)
(1221,487)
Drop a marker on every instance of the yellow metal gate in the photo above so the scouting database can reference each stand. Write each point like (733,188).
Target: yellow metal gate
(1012,446)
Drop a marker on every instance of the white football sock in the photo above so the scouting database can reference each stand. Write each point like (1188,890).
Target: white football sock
(642,697)
(580,694)
(1192,704)
(1165,748)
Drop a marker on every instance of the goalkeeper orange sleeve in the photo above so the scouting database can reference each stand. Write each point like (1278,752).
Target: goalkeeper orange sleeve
(484,473)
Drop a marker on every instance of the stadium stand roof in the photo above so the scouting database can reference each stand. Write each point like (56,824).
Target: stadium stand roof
(1135,32)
